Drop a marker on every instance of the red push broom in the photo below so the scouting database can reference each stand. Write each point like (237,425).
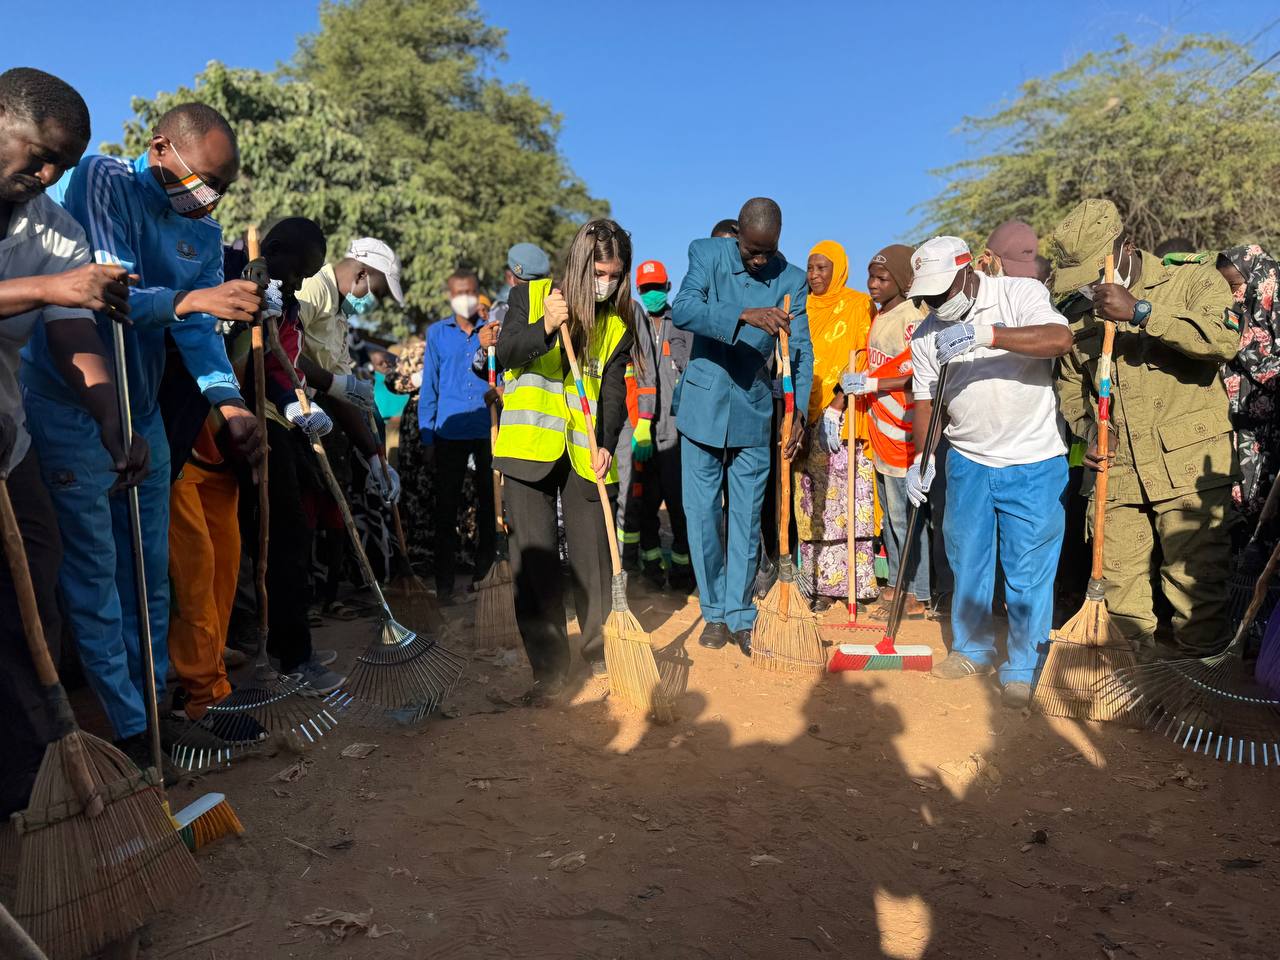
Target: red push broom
(888,654)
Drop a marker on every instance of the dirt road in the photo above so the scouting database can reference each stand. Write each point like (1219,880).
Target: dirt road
(854,816)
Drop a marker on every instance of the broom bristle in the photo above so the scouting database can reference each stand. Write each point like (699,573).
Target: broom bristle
(788,642)
(496,627)
(1082,655)
(86,882)
(629,658)
(208,819)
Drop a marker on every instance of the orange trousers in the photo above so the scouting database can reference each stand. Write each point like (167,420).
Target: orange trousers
(204,561)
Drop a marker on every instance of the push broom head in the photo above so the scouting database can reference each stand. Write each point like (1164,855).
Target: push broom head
(629,657)
(246,719)
(885,655)
(402,673)
(785,637)
(1082,655)
(208,819)
(87,881)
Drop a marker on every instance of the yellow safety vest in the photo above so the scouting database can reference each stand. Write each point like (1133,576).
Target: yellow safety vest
(541,409)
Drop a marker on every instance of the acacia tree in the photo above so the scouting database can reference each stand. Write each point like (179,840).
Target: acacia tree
(386,127)
(1183,136)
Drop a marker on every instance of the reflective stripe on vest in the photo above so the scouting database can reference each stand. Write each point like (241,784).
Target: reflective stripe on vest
(542,411)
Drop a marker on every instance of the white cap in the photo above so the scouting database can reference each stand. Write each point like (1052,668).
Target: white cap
(935,264)
(376,254)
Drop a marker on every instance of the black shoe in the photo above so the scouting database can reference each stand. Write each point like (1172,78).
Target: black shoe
(820,604)
(598,670)
(138,749)
(656,576)
(444,597)
(631,557)
(680,581)
(714,636)
(543,693)
(743,639)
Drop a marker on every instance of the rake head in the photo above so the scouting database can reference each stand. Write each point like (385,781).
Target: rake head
(246,720)
(402,673)
(1209,706)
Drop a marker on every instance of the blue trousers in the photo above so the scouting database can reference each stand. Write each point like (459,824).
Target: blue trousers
(1020,509)
(724,565)
(896,506)
(97,576)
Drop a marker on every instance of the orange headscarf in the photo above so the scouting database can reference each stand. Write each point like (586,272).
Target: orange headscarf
(839,321)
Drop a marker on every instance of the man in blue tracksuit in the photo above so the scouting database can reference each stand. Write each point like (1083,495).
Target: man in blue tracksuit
(731,301)
(152,216)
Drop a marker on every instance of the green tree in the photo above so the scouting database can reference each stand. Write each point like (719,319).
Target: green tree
(386,127)
(1184,137)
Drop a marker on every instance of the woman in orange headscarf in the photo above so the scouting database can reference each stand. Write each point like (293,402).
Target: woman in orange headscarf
(839,321)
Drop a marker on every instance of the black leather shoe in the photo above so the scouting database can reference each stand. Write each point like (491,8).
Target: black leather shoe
(743,639)
(714,636)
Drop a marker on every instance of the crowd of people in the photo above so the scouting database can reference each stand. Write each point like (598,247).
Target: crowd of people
(682,391)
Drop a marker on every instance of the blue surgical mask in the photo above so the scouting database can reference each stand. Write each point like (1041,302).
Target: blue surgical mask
(354,306)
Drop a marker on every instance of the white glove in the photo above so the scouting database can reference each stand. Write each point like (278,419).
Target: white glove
(917,485)
(349,387)
(314,424)
(386,486)
(273,301)
(961,338)
(858,384)
(416,379)
(829,430)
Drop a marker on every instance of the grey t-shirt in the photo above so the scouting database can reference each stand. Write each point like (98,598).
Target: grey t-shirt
(42,239)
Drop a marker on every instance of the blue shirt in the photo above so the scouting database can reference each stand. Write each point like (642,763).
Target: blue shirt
(451,401)
(725,398)
(128,220)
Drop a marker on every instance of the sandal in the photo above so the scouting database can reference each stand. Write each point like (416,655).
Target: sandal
(338,610)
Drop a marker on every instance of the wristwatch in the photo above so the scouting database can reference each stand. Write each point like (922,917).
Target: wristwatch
(1141,313)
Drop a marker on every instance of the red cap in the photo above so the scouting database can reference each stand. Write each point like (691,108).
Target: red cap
(650,272)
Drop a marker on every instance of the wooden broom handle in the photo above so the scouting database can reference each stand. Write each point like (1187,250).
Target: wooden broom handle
(609,529)
(850,487)
(257,344)
(335,489)
(1103,442)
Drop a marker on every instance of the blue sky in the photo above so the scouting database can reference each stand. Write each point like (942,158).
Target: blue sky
(677,112)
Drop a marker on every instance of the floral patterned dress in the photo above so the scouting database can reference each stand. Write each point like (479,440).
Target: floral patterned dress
(822,520)
(1251,380)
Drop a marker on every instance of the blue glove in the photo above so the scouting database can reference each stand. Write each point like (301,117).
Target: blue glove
(959,338)
(917,485)
(829,431)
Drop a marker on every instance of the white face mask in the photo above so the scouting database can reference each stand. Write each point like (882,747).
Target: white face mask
(955,308)
(605,289)
(464,304)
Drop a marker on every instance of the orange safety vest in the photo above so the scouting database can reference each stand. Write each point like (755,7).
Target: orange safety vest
(889,425)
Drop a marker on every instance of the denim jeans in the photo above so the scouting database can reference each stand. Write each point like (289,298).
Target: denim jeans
(893,500)
(1019,508)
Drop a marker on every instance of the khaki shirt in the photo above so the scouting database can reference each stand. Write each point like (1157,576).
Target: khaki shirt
(1169,405)
(323,322)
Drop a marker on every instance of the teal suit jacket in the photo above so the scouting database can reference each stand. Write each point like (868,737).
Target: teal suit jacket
(725,397)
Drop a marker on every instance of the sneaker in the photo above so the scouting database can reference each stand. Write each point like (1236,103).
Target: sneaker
(319,680)
(323,657)
(956,666)
(1016,695)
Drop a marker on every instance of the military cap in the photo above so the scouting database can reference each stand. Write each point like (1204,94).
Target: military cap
(1081,243)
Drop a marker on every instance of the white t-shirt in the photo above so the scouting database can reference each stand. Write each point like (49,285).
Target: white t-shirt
(1002,409)
(42,239)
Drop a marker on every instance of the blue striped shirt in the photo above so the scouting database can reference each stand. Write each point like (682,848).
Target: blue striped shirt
(128,220)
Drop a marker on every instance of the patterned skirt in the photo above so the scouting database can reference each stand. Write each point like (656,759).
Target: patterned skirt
(821,508)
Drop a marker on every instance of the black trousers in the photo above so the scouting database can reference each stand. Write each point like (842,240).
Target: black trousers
(661,483)
(535,565)
(289,550)
(451,469)
(25,727)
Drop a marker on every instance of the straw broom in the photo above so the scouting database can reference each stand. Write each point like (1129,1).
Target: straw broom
(496,627)
(1089,648)
(99,854)
(628,651)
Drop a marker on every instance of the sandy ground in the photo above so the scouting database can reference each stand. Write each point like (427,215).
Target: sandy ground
(857,815)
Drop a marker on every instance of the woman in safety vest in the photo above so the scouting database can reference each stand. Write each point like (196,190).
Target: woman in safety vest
(543,451)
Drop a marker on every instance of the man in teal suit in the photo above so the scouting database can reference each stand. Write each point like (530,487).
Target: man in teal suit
(731,301)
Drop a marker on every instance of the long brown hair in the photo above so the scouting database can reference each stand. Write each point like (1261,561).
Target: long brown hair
(595,241)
